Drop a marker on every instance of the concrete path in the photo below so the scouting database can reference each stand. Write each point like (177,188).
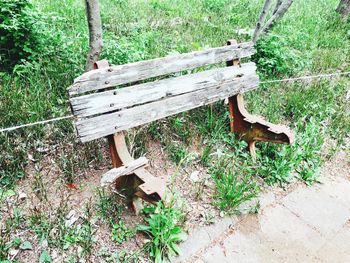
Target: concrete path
(306,224)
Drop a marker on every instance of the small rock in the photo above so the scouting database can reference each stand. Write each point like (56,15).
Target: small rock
(70,214)
(137,205)
(80,251)
(54,254)
(44,244)
(13,252)
(71,218)
(31,158)
(194,177)
(42,149)
(222,214)
(22,196)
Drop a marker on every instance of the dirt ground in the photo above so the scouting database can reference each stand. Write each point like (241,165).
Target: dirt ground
(195,197)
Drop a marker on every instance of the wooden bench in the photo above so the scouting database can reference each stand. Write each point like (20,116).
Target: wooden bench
(104,106)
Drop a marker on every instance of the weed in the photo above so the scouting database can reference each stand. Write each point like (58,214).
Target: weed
(177,153)
(181,127)
(109,206)
(39,188)
(273,58)
(13,160)
(120,232)
(214,5)
(205,156)
(45,257)
(164,231)
(299,44)
(136,142)
(234,185)
(81,235)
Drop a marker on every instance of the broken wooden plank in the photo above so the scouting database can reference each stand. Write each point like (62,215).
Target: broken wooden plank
(116,99)
(106,124)
(128,73)
(112,175)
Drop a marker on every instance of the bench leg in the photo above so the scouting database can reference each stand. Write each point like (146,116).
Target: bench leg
(254,128)
(141,184)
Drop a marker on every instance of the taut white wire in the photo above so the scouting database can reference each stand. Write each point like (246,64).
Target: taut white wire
(307,77)
(262,82)
(35,123)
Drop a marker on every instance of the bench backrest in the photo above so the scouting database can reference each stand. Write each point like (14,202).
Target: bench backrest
(102,108)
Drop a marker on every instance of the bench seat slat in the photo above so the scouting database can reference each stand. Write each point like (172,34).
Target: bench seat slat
(117,75)
(106,124)
(112,100)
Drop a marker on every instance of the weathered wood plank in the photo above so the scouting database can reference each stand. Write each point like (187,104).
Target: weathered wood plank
(112,100)
(112,175)
(128,73)
(103,125)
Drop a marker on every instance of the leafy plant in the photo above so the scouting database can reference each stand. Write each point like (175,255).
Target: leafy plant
(234,185)
(19,35)
(164,231)
(120,232)
(109,206)
(45,257)
(177,153)
(273,57)
(82,235)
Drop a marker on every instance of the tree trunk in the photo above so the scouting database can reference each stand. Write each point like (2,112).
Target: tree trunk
(344,9)
(95,33)
(261,20)
(278,14)
(280,9)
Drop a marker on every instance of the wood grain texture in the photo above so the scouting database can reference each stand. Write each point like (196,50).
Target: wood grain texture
(116,99)
(106,124)
(128,73)
(112,175)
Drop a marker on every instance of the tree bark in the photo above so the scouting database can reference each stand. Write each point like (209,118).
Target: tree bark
(278,14)
(261,20)
(280,9)
(344,9)
(278,4)
(95,33)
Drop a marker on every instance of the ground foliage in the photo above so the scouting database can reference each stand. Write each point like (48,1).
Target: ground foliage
(40,66)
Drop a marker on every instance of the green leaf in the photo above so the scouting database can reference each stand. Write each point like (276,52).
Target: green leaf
(45,257)
(4,194)
(143,228)
(26,245)
(158,257)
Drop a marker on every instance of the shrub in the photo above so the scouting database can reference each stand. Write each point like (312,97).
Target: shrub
(18,32)
(273,57)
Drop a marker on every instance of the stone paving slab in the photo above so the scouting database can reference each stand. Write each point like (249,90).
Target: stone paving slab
(319,208)
(336,248)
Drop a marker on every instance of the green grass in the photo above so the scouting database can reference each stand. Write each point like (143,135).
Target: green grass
(164,230)
(310,39)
